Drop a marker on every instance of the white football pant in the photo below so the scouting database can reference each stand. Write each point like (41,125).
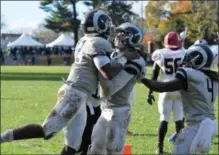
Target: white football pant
(195,138)
(69,112)
(168,105)
(109,133)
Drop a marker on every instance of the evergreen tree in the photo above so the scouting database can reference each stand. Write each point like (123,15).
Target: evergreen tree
(120,11)
(63,16)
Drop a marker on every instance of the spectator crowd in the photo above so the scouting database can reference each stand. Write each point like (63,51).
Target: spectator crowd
(33,55)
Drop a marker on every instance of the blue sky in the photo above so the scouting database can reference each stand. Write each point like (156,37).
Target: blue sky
(27,14)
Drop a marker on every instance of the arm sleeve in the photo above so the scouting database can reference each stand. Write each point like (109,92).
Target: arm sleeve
(182,75)
(100,61)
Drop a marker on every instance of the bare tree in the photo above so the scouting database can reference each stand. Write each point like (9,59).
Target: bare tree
(44,34)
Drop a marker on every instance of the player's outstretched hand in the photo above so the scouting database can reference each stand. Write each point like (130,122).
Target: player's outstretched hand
(131,55)
(150,99)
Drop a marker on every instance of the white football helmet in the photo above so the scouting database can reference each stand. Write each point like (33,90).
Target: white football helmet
(198,57)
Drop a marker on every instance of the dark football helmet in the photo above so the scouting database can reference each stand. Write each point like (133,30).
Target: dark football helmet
(198,57)
(97,22)
(127,34)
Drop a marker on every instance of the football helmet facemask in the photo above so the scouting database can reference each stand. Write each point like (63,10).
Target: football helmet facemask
(127,34)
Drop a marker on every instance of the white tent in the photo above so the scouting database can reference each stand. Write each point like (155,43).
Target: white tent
(62,40)
(25,40)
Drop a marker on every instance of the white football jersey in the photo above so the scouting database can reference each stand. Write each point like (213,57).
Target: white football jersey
(168,60)
(84,73)
(200,95)
(125,96)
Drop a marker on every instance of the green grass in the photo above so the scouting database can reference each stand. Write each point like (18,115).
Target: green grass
(28,93)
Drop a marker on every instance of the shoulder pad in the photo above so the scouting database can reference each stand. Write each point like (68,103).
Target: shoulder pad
(100,46)
(189,73)
(157,55)
(100,42)
(140,61)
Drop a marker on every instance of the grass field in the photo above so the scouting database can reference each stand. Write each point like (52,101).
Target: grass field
(28,93)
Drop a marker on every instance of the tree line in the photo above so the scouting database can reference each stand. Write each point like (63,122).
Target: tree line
(63,15)
(201,18)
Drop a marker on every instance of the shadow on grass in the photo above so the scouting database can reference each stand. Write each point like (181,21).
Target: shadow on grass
(33,76)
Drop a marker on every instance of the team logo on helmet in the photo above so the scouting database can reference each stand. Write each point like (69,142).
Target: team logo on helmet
(198,57)
(97,22)
(128,34)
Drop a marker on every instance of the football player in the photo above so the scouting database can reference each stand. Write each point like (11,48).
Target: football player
(93,113)
(167,60)
(110,130)
(91,61)
(198,86)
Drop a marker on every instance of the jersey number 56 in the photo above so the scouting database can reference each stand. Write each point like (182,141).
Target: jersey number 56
(171,65)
